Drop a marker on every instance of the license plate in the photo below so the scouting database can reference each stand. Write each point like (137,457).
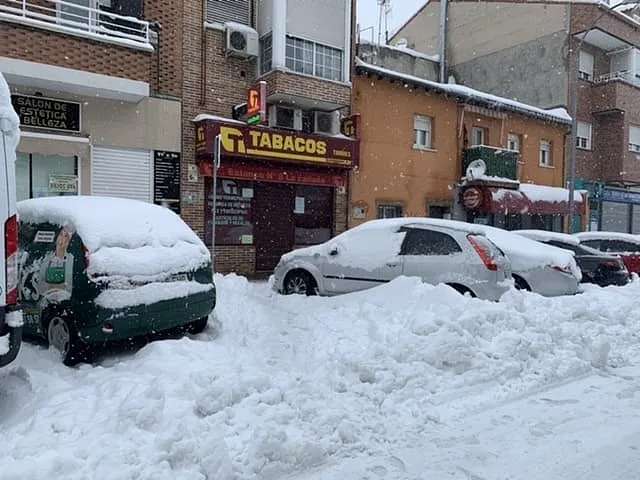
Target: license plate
(179,277)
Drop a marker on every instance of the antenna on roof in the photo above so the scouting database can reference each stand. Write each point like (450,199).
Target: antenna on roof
(384,14)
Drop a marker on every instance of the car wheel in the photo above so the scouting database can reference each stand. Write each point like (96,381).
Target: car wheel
(63,337)
(521,283)
(301,283)
(461,289)
(197,326)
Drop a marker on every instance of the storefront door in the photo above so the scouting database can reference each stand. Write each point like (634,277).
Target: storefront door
(273,226)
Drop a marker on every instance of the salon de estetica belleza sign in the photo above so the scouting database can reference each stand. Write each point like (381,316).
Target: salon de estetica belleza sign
(251,142)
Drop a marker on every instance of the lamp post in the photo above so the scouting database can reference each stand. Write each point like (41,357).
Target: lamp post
(575,73)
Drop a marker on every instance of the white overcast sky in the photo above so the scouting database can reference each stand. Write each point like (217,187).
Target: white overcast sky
(401,11)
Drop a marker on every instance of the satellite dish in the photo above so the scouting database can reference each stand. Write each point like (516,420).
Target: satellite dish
(476,169)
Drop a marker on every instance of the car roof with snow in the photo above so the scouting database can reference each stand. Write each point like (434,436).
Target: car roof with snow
(546,236)
(601,235)
(110,222)
(392,223)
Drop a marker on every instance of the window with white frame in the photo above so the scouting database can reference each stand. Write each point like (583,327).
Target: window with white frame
(583,136)
(545,153)
(389,211)
(422,132)
(310,58)
(513,142)
(634,138)
(266,53)
(477,135)
(585,65)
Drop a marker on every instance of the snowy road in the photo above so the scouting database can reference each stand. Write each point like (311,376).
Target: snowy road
(403,382)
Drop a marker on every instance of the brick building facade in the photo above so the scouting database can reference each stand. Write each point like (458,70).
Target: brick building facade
(546,53)
(282,200)
(97,88)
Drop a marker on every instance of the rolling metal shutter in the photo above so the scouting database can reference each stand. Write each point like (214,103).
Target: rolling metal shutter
(119,172)
(615,217)
(222,11)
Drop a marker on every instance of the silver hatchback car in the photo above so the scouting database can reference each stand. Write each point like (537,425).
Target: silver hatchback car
(438,251)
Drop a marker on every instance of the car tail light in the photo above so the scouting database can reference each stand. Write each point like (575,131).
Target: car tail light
(87,261)
(483,249)
(11,259)
(566,269)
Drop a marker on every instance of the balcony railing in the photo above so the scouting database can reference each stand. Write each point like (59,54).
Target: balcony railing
(95,21)
(624,75)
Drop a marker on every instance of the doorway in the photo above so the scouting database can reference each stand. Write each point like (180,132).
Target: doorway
(273,225)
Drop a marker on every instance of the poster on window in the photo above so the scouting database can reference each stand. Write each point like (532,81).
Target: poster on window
(233,212)
(60,183)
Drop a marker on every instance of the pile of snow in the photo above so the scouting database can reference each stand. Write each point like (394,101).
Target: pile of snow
(124,237)
(9,121)
(546,236)
(293,385)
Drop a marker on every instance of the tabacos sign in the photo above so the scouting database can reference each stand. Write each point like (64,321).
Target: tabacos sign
(256,142)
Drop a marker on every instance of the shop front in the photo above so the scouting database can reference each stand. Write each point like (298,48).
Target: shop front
(93,134)
(517,206)
(275,191)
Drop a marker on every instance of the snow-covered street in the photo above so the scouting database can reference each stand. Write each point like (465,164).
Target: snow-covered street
(405,381)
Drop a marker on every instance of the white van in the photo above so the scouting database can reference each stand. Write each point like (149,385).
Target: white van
(10,313)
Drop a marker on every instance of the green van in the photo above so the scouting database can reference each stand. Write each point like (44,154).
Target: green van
(98,269)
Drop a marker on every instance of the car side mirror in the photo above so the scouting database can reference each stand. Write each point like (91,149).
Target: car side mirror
(334,251)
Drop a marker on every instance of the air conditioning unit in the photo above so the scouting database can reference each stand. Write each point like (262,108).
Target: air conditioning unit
(242,41)
(281,116)
(326,122)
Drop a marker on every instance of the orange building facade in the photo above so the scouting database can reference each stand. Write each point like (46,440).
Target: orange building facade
(417,139)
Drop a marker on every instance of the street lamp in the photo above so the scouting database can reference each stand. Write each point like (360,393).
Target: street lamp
(574,112)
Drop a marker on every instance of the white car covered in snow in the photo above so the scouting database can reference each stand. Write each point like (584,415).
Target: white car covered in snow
(438,251)
(544,269)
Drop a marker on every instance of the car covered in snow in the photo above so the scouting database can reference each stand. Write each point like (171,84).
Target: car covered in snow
(438,251)
(96,269)
(536,267)
(10,314)
(626,245)
(597,267)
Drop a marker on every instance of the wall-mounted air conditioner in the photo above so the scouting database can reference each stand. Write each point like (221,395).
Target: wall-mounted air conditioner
(242,41)
(281,116)
(326,122)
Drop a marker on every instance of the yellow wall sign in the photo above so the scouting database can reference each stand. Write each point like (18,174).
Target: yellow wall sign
(260,142)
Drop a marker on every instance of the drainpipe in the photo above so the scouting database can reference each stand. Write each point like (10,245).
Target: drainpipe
(443,40)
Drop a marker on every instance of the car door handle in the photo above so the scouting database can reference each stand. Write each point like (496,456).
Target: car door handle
(392,264)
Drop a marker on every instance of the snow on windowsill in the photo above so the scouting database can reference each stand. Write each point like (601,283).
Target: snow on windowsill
(148,294)
(542,165)
(425,149)
(205,116)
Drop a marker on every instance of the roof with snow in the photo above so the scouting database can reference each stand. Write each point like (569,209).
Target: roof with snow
(469,95)
(402,49)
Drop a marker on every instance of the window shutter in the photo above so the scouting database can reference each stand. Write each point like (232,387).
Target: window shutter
(221,11)
(634,134)
(119,172)
(586,63)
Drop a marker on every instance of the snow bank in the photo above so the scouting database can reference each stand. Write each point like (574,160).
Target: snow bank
(546,236)
(124,237)
(295,383)
(149,294)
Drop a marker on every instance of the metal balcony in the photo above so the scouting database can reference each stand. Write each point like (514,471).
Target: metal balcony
(96,21)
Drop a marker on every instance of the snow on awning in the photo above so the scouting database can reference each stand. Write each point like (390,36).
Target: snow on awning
(529,199)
